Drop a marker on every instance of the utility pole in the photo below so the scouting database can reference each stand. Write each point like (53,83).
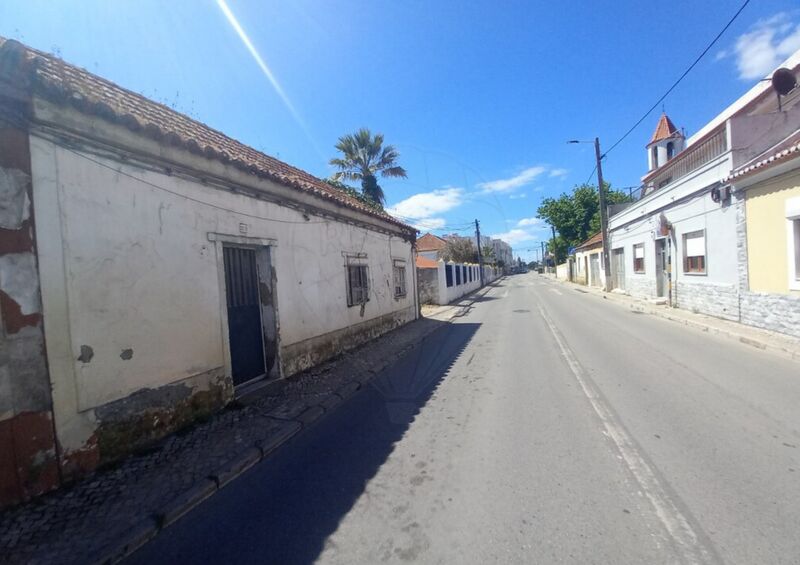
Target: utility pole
(480,252)
(603,215)
(555,261)
(542,263)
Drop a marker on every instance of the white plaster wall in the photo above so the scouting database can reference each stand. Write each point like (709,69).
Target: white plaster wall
(127,265)
(637,224)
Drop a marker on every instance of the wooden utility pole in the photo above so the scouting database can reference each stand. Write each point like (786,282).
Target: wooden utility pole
(603,215)
(480,251)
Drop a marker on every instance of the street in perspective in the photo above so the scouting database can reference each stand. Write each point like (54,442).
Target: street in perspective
(303,283)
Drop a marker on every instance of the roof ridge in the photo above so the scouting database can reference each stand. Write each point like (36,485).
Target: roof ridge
(90,93)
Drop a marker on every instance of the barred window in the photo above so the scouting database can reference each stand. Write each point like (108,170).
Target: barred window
(399,270)
(357,285)
(448,275)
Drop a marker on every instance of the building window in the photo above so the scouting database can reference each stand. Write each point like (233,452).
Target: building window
(448,275)
(655,157)
(357,285)
(796,233)
(670,150)
(793,241)
(399,270)
(638,258)
(694,252)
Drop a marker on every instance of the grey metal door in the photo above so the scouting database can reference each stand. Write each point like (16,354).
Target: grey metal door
(661,267)
(618,268)
(244,314)
(594,262)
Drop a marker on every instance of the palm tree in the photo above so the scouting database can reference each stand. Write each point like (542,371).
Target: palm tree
(363,157)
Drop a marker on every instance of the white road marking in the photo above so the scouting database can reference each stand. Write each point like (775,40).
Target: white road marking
(676,524)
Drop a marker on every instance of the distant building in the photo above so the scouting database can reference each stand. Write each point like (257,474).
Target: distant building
(430,246)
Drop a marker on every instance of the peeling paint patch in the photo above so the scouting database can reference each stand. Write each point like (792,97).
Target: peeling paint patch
(14,200)
(19,279)
(86,354)
(126,354)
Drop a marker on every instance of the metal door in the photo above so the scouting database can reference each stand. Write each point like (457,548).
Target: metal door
(244,314)
(662,272)
(594,262)
(618,268)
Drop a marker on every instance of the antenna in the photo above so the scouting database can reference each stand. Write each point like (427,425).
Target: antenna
(783,82)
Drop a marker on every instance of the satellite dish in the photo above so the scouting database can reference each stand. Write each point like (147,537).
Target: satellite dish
(783,81)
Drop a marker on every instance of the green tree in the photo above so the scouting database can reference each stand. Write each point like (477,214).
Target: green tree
(575,216)
(363,158)
(488,254)
(460,250)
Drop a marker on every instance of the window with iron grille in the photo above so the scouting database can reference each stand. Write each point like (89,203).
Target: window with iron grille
(458,275)
(448,275)
(357,285)
(694,252)
(399,270)
(638,258)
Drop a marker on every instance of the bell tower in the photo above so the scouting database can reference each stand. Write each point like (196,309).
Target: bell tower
(667,141)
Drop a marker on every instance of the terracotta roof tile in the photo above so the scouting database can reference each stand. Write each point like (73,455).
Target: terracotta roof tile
(596,239)
(425,263)
(63,83)
(664,129)
(430,242)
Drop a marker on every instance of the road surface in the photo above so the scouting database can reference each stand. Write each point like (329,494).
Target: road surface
(545,425)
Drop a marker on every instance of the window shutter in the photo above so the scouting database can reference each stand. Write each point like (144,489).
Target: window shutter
(696,246)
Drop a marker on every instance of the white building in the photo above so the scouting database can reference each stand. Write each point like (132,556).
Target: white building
(679,240)
(150,266)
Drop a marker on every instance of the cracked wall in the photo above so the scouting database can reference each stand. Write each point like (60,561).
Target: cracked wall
(28,465)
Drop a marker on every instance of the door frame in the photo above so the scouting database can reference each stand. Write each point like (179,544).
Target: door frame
(264,248)
(618,260)
(661,267)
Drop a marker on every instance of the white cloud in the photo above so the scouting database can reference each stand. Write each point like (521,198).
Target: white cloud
(430,224)
(517,196)
(530,222)
(426,205)
(558,172)
(507,185)
(765,46)
(514,236)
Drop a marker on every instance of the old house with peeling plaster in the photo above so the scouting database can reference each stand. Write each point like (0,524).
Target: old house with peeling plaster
(151,267)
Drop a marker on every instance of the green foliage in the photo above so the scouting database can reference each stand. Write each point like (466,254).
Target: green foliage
(347,189)
(460,250)
(576,216)
(363,158)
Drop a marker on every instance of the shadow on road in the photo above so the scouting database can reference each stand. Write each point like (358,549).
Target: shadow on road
(284,509)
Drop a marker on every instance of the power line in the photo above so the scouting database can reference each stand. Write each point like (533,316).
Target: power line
(686,72)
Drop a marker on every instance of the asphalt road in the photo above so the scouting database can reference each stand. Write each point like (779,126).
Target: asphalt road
(544,426)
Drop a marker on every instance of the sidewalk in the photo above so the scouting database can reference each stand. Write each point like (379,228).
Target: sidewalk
(114,511)
(781,344)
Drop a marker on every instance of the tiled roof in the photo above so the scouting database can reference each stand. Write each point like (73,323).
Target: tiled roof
(596,239)
(425,263)
(430,242)
(64,84)
(787,149)
(664,129)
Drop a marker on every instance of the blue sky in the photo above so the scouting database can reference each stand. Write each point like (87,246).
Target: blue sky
(479,98)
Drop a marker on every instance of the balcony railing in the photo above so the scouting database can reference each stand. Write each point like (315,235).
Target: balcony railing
(687,161)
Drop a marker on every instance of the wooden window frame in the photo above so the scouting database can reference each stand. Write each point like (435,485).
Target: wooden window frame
(638,268)
(695,265)
(399,276)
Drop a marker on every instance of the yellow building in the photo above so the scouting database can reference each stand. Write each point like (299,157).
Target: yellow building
(769,237)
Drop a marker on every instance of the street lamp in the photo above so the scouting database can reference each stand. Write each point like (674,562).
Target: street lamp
(603,210)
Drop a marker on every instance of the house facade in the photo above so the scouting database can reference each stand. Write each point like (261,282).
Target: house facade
(151,268)
(769,237)
(678,241)
(430,246)
(589,269)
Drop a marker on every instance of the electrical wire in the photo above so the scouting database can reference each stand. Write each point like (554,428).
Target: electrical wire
(686,72)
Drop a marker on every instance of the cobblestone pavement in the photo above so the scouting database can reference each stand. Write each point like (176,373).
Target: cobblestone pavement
(114,511)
